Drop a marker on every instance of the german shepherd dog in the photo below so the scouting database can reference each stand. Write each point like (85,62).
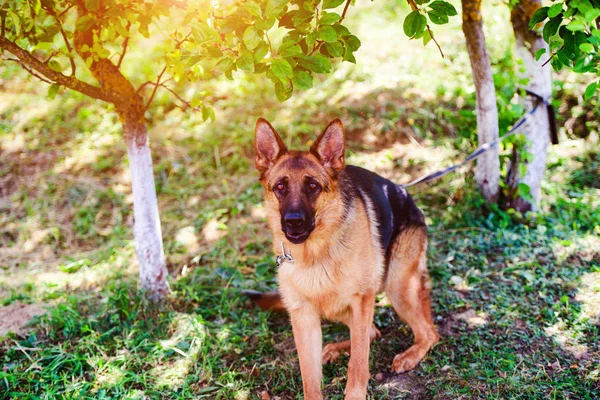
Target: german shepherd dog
(351,234)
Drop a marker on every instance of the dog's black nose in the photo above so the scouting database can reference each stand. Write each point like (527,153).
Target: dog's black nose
(294,221)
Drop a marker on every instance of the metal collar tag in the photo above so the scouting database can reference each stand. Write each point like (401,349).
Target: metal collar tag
(283,257)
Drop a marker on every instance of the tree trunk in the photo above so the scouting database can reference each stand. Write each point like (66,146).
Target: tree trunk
(487,172)
(146,229)
(131,108)
(537,129)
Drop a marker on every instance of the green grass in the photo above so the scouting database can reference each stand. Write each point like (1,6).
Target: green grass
(516,300)
(523,281)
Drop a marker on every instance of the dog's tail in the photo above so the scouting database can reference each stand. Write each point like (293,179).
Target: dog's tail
(266,301)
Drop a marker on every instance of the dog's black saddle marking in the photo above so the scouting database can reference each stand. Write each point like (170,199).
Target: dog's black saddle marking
(394,208)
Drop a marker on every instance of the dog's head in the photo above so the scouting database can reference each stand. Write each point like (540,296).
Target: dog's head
(299,183)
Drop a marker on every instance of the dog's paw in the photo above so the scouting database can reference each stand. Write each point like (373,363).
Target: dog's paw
(331,352)
(408,360)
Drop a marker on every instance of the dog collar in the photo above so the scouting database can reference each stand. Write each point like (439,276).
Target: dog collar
(283,257)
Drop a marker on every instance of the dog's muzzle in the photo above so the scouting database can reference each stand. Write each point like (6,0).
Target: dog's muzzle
(297,226)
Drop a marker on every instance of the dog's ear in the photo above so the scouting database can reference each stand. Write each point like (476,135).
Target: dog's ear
(329,147)
(267,145)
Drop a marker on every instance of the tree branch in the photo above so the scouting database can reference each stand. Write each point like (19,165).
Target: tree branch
(345,10)
(27,69)
(435,41)
(3,29)
(125,43)
(186,104)
(54,53)
(66,10)
(318,44)
(184,101)
(64,36)
(180,42)
(156,85)
(33,64)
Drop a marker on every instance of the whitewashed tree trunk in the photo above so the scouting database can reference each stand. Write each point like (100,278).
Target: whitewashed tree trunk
(147,229)
(537,129)
(487,172)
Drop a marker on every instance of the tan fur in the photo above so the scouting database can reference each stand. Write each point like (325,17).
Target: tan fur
(336,274)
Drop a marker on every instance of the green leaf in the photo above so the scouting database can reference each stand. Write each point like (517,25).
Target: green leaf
(274,7)
(204,33)
(327,34)
(349,56)
(584,6)
(589,91)
(586,47)
(281,68)
(438,19)
(245,62)
(251,38)
(53,90)
(426,38)
(253,8)
(55,65)
(331,3)
(308,6)
(208,112)
(302,80)
(282,92)
(84,23)
(260,53)
(92,5)
(540,15)
(576,25)
(341,30)
(564,57)
(311,38)
(15,20)
(414,24)
(353,43)
(335,49)
(443,8)
(524,189)
(555,10)
(420,2)
(584,64)
(551,27)
(289,49)
(569,45)
(329,18)
(556,64)
(591,15)
(539,53)
(316,63)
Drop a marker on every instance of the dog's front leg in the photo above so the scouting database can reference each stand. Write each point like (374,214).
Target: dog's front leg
(358,369)
(306,325)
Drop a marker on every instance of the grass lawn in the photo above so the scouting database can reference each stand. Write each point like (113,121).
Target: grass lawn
(516,300)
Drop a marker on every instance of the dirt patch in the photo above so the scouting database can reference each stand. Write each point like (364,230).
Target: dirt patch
(408,385)
(14,317)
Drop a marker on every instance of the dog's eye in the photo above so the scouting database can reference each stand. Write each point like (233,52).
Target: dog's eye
(280,187)
(313,186)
